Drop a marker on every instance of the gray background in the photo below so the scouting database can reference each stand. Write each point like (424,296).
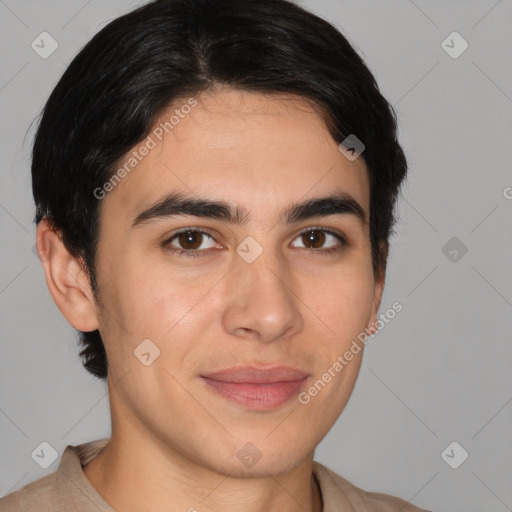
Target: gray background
(439,372)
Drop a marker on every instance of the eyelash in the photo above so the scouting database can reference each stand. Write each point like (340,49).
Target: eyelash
(199,253)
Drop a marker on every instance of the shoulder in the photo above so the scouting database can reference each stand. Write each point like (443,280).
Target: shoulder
(66,489)
(10,503)
(337,490)
(30,497)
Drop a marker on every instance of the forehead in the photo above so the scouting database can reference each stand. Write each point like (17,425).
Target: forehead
(243,147)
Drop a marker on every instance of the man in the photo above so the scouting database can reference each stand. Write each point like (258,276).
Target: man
(215,183)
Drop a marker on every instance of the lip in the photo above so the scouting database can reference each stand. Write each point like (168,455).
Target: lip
(257,388)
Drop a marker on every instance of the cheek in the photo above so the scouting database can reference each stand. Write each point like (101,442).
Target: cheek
(153,300)
(343,302)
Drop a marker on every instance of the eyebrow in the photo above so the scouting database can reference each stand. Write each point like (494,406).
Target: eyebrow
(175,204)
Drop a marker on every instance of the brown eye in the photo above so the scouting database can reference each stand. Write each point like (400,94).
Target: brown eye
(313,239)
(190,242)
(316,238)
(190,239)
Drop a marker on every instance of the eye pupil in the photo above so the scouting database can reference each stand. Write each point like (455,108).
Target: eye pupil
(313,237)
(187,238)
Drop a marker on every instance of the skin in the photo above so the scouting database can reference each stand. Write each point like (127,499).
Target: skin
(174,441)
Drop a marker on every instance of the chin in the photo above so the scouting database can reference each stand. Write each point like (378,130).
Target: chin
(259,459)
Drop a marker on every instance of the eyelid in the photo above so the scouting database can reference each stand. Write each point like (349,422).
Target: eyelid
(331,231)
(193,229)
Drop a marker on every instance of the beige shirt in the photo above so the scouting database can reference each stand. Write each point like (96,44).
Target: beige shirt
(68,490)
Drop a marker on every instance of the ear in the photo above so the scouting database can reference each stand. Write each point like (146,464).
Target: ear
(377,298)
(377,291)
(67,282)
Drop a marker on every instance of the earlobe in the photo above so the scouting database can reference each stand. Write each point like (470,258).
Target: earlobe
(67,282)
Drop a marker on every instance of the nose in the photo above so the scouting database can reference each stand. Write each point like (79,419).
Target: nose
(261,302)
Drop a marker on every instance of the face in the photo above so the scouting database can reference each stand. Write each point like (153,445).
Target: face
(188,290)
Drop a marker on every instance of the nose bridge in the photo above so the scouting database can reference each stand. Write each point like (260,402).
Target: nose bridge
(261,292)
(266,278)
